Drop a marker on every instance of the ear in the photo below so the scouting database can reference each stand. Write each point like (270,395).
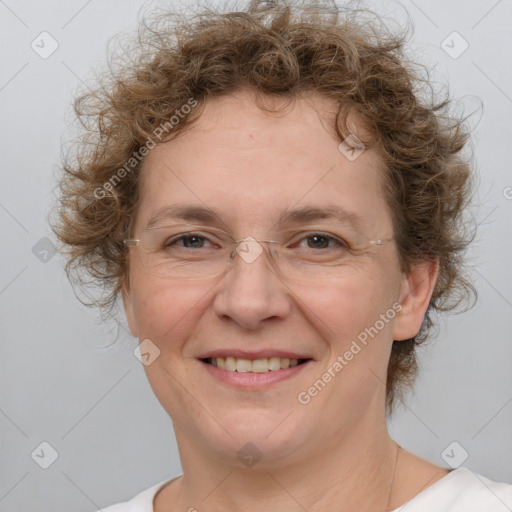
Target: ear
(128,308)
(415,293)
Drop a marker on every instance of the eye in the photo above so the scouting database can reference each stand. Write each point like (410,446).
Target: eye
(322,241)
(189,240)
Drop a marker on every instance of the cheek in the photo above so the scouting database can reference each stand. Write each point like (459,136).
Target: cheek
(353,303)
(164,312)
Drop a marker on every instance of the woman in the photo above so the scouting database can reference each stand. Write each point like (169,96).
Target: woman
(280,214)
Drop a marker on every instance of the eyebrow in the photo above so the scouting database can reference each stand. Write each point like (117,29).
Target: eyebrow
(287,216)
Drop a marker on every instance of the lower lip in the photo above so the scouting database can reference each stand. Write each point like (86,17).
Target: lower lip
(253,380)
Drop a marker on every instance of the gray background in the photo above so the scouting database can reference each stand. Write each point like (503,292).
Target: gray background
(63,379)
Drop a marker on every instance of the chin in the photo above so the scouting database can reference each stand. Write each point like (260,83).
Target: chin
(256,434)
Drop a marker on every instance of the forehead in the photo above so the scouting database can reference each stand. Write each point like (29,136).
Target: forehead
(248,163)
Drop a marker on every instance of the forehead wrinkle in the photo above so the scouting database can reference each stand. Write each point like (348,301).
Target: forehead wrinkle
(312,213)
(304,215)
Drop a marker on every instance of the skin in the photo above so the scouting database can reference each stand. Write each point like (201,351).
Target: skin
(335,452)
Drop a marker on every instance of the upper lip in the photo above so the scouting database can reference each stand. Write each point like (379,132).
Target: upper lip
(253,354)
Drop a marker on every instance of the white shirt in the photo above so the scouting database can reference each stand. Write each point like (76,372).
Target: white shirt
(461,490)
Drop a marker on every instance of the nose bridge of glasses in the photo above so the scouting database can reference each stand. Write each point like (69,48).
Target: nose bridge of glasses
(249,249)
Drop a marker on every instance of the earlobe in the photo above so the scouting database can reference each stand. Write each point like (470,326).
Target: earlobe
(415,294)
(128,309)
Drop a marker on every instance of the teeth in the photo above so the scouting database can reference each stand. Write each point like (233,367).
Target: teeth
(243,365)
(230,363)
(259,365)
(274,363)
(233,364)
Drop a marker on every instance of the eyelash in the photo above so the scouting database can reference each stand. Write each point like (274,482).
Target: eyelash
(185,236)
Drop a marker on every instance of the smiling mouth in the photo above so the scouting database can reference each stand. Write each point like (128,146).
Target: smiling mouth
(233,364)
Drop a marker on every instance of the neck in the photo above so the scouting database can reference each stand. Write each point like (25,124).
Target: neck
(354,474)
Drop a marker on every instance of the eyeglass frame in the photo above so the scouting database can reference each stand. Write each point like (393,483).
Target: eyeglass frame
(137,242)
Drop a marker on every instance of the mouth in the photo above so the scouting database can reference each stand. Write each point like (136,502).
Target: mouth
(253,374)
(261,365)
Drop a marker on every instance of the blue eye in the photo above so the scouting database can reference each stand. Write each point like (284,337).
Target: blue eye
(322,241)
(190,241)
(310,241)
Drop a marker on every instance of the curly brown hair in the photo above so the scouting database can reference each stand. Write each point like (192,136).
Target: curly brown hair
(275,48)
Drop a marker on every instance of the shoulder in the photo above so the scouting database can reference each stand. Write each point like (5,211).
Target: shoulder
(461,490)
(141,502)
(476,492)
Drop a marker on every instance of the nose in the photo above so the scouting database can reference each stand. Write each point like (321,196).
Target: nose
(251,291)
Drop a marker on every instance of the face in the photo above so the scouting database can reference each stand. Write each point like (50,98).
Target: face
(249,167)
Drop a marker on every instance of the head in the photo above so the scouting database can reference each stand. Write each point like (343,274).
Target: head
(249,116)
